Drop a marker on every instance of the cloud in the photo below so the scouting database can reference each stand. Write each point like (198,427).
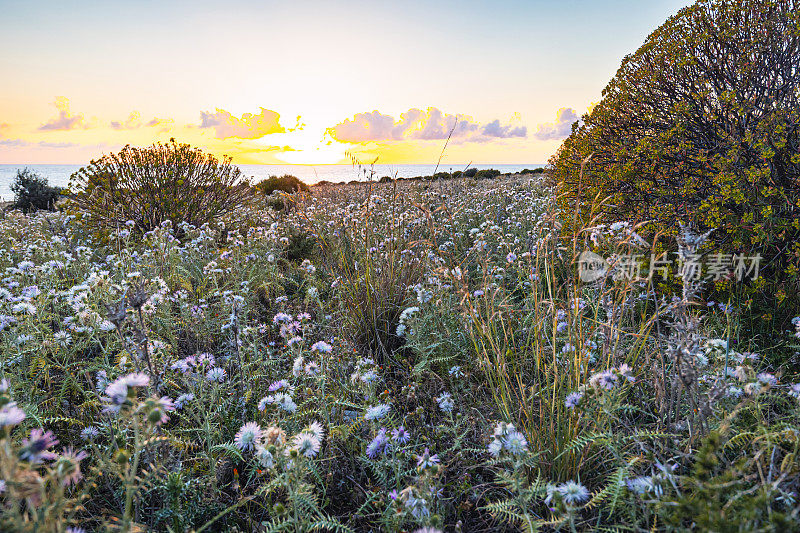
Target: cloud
(560,129)
(159,122)
(495,129)
(66,120)
(417,124)
(19,143)
(133,122)
(248,127)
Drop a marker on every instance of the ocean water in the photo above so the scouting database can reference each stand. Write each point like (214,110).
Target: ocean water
(59,174)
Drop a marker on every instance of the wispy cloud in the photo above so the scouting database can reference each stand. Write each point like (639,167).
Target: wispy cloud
(20,143)
(249,126)
(65,120)
(134,122)
(560,129)
(416,124)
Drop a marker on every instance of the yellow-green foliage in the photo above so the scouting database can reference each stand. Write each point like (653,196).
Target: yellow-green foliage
(163,182)
(701,125)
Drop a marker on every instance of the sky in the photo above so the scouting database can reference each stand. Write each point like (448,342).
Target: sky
(309,82)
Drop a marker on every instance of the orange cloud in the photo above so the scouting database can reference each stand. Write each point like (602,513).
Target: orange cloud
(250,126)
(416,124)
(65,120)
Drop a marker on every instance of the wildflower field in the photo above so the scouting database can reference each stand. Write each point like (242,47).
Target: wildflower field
(382,357)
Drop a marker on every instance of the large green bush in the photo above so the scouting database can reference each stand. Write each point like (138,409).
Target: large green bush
(165,181)
(701,125)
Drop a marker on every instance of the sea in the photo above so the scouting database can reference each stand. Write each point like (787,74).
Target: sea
(59,174)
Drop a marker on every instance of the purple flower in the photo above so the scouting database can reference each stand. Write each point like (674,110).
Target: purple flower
(69,466)
(117,392)
(401,435)
(378,444)
(604,380)
(36,447)
(322,347)
(427,460)
(573,399)
(278,385)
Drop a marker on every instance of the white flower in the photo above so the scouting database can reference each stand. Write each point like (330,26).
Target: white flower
(24,307)
(316,429)
(216,374)
(515,443)
(298,366)
(307,444)
(322,347)
(263,456)
(495,447)
(377,412)
(573,493)
(445,401)
(247,436)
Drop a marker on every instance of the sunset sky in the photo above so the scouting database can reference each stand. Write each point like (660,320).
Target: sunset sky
(306,82)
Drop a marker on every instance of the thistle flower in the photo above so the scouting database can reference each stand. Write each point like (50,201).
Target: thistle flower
(767,379)
(321,347)
(264,456)
(307,444)
(11,415)
(183,399)
(216,375)
(573,399)
(316,429)
(90,433)
(247,436)
(36,447)
(277,385)
(378,444)
(118,391)
(281,399)
(795,390)
(515,443)
(641,485)
(626,372)
(401,435)
(495,447)
(68,466)
(274,435)
(573,493)
(158,409)
(416,505)
(604,380)
(297,366)
(377,412)
(445,401)
(426,460)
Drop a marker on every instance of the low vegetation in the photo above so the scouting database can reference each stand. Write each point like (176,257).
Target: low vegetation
(500,354)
